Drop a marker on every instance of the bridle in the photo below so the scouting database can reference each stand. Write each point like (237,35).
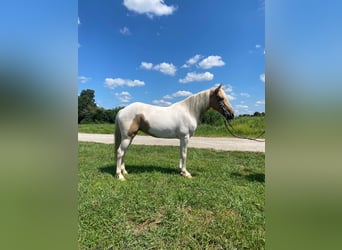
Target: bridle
(220,102)
(231,130)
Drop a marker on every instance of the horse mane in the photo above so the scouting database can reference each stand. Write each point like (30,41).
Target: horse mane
(196,104)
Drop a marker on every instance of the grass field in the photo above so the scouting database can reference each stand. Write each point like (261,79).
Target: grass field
(221,207)
(245,126)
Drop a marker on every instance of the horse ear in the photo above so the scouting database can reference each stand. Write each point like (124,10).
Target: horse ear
(218,88)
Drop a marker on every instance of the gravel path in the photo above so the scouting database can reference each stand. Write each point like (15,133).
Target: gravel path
(217,143)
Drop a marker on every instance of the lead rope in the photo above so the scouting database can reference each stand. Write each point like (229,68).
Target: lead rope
(226,123)
(241,137)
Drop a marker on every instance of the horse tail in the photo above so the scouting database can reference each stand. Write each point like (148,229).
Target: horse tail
(117,135)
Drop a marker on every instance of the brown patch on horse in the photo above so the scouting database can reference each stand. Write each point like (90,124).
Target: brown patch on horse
(139,123)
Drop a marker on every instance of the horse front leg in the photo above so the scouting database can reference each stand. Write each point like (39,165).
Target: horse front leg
(183,151)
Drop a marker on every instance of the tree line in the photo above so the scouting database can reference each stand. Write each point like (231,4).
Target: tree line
(89,112)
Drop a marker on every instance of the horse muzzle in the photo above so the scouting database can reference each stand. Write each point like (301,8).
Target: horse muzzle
(228,115)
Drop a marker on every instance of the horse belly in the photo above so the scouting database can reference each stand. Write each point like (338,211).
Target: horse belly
(163,127)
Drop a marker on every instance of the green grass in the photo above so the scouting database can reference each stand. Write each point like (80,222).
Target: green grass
(96,128)
(221,207)
(244,126)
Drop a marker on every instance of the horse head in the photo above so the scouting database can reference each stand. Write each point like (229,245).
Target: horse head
(220,102)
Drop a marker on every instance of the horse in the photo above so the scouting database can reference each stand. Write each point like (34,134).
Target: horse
(179,120)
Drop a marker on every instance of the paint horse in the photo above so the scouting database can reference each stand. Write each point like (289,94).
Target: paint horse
(179,120)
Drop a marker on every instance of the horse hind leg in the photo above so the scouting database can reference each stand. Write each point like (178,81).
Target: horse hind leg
(120,158)
(126,134)
(123,169)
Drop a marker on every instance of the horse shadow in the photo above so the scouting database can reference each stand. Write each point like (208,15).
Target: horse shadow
(139,169)
(250,176)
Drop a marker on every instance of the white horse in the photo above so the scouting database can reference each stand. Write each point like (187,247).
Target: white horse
(176,121)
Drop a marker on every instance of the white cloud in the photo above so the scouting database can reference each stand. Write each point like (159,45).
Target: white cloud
(146,65)
(123,96)
(149,7)
(245,95)
(241,106)
(165,68)
(191,61)
(257,49)
(262,77)
(260,103)
(125,31)
(228,88)
(161,103)
(211,61)
(231,97)
(242,109)
(119,82)
(83,79)
(197,77)
(180,93)
(78,21)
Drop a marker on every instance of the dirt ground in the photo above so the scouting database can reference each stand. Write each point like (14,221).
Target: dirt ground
(217,143)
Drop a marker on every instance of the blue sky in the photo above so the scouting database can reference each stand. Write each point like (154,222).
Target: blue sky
(159,52)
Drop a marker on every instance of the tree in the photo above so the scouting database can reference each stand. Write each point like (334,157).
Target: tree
(86,106)
(89,112)
(110,114)
(211,117)
(259,114)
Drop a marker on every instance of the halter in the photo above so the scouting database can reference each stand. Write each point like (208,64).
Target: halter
(220,103)
(223,107)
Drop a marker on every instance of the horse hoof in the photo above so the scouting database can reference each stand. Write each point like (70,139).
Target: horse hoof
(187,175)
(121,178)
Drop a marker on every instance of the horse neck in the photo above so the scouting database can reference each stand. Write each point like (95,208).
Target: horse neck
(196,104)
